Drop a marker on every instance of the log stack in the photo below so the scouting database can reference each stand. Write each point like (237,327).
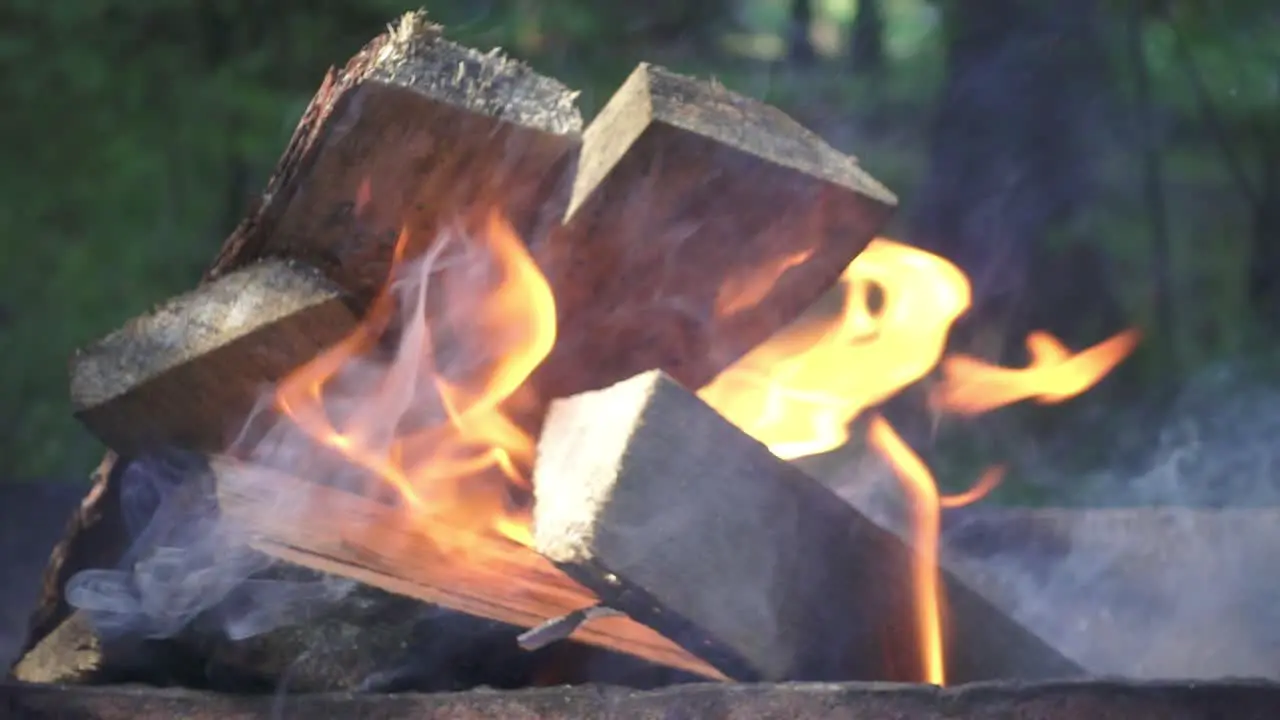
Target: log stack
(683,227)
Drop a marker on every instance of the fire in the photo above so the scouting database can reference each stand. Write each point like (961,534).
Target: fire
(972,386)
(423,395)
(470,321)
(799,392)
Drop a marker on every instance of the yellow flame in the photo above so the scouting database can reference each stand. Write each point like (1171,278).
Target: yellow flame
(799,392)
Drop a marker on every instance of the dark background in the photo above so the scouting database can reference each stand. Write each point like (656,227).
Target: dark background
(1091,164)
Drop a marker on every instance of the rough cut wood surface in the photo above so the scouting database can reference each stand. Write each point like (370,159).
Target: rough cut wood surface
(190,372)
(1105,700)
(413,132)
(668,512)
(96,536)
(700,223)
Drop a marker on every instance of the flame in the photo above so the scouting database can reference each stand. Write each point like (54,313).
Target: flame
(799,392)
(424,394)
(470,321)
(972,386)
(745,291)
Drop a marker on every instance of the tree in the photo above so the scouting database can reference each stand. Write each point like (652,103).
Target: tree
(866,39)
(1010,161)
(1235,43)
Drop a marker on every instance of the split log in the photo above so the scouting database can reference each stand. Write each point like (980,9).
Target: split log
(189,373)
(724,218)
(75,654)
(1169,700)
(349,536)
(71,654)
(700,222)
(672,515)
(414,133)
(95,537)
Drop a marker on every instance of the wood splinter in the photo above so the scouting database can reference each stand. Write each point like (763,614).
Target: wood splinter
(560,628)
(672,515)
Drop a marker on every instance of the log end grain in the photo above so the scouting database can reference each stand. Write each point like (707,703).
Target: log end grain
(413,136)
(700,223)
(189,372)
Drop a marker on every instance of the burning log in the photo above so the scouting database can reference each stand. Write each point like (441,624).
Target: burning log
(416,134)
(190,372)
(71,654)
(726,219)
(672,515)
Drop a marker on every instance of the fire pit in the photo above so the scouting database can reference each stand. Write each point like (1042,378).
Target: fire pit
(478,398)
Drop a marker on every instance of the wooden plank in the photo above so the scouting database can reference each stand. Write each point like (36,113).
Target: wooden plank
(668,512)
(96,536)
(700,222)
(190,372)
(342,534)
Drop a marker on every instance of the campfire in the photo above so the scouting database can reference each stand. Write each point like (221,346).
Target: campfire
(539,390)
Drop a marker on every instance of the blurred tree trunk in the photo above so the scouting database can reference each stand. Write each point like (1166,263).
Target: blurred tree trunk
(866,39)
(1010,167)
(1011,157)
(1152,187)
(800,50)
(1264,256)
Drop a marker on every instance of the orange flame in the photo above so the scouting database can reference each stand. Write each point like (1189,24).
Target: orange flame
(421,395)
(799,392)
(972,386)
(469,329)
(748,289)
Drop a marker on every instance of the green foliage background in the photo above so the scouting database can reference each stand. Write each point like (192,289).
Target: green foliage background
(133,132)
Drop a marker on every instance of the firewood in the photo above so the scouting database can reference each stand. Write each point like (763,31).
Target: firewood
(75,654)
(413,133)
(190,372)
(700,222)
(669,513)
(416,134)
(349,536)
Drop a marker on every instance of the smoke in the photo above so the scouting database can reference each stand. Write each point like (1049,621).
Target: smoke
(1166,572)
(186,562)
(190,573)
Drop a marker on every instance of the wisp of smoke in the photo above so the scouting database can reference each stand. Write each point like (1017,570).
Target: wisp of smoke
(185,562)
(189,563)
(1167,573)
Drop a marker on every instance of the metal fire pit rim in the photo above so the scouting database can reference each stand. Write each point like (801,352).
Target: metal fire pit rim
(983,688)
